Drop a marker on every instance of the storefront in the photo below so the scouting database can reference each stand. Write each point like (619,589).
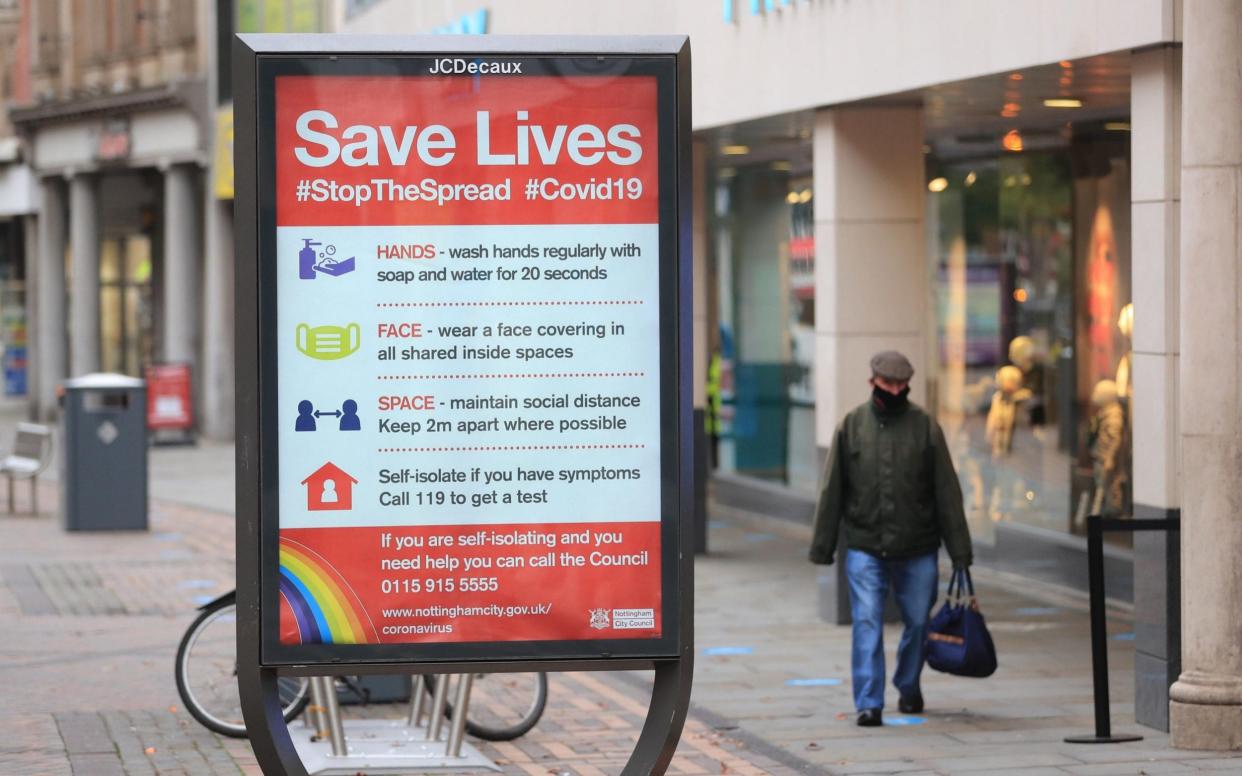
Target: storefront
(120,252)
(988,193)
(16,207)
(1026,361)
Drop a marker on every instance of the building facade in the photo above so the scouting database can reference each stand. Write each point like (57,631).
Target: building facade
(115,240)
(999,190)
(17,203)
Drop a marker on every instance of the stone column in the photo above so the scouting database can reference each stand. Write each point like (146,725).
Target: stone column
(1206,707)
(871,287)
(84,275)
(1155,192)
(50,359)
(181,281)
(216,415)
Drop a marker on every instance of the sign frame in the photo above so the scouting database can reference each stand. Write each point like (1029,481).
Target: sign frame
(256,59)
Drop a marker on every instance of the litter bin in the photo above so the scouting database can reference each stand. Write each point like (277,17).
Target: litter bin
(103,478)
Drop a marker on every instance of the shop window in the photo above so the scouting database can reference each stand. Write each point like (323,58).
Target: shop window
(765,253)
(13,343)
(47,29)
(126,304)
(1031,269)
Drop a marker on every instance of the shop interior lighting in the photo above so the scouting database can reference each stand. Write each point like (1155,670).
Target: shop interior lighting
(792,197)
(1117,126)
(735,150)
(804,196)
(1062,102)
(1012,141)
(937,185)
(1019,295)
(1011,110)
(781,166)
(1015,76)
(971,178)
(1065,63)
(1025,180)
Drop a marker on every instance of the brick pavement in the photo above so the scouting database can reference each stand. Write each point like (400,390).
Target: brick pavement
(90,623)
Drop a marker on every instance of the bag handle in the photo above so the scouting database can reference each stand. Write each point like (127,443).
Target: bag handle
(961,586)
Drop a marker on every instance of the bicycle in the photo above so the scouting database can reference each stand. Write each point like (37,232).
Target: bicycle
(206,672)
(502,706)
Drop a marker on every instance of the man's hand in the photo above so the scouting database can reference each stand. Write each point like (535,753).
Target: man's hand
(820,558)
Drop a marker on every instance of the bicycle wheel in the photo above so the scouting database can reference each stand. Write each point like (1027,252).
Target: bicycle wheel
(206,673)
(503,706)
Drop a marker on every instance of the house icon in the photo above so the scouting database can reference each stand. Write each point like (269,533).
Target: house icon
(329,488)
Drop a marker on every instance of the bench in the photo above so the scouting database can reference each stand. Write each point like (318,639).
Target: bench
(32,452)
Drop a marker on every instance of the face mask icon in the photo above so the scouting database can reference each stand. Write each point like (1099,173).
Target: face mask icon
(328,343)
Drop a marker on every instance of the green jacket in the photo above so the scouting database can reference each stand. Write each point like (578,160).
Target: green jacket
(890,480)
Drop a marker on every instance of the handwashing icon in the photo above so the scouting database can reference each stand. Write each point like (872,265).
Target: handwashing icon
(310,263)
(328,343)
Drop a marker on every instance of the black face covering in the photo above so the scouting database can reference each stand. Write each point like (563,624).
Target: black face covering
(890,402)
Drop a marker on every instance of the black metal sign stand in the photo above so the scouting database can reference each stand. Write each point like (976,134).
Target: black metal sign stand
(1096,526)
(673,665)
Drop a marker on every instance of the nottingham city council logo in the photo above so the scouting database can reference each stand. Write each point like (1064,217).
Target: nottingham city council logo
(600,618)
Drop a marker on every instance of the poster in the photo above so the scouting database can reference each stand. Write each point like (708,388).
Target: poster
(468,344)
(169,404)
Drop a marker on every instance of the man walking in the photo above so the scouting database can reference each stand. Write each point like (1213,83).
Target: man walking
(890,480)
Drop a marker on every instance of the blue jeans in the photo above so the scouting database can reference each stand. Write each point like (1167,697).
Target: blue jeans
(915,581)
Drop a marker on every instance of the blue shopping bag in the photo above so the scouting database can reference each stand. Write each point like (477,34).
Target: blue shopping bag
(958,641)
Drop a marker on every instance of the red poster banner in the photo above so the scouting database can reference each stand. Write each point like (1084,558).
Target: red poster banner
(469,583)
(168,397)
(355,151)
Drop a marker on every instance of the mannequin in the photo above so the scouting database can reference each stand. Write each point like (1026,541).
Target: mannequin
(1125,324)
(1003,415)
(1022,355)
(1106,442)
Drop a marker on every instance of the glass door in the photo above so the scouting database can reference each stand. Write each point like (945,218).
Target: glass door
(125,304)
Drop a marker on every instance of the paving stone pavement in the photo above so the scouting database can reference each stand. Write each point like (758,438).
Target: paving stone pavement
(90,624)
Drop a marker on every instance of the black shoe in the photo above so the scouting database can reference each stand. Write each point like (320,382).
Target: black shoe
(870,718)
(910,704)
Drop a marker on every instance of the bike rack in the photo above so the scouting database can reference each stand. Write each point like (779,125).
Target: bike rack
(378,746)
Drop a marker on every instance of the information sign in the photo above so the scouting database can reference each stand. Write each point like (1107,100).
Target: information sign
(471,356)
(169,404)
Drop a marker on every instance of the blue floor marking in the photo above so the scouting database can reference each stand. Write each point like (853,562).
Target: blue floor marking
(816,682)
(1035,611)
(718,651)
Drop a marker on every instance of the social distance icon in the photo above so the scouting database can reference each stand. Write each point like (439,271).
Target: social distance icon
(310,263)
(329,488)
(328,343)
(308,416)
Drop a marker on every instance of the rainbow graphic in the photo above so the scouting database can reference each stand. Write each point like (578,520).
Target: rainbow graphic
(324,606)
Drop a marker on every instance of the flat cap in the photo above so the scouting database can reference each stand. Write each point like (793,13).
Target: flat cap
(891,365)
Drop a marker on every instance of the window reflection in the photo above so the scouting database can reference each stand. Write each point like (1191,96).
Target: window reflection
(1031,275)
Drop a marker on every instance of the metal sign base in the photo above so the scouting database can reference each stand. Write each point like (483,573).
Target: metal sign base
(378,746)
